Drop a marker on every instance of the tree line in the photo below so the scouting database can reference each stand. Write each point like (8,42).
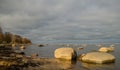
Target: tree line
(9,38)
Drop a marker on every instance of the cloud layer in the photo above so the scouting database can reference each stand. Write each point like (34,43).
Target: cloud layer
(43,20)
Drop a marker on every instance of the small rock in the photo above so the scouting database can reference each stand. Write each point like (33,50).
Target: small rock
(106,49)
(80,48)
(13,45)
(20,52)
(41,45)
(34,55)
(19,56)
(22,47)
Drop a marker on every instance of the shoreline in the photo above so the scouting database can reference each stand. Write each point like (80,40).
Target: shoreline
(11,60)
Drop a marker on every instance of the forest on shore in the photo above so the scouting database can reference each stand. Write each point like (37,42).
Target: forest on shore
(9,38)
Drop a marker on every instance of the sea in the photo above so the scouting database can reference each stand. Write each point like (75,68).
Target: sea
(47,51)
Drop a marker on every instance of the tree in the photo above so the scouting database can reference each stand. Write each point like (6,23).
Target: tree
(8,37)
(25,41)
(1,37)
(1,30)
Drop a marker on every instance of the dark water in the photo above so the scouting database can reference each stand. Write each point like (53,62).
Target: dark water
(48,52)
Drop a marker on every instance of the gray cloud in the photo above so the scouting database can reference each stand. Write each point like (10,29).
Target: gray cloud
(61,19)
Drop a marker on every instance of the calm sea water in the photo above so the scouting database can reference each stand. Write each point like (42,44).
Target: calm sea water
(48,52)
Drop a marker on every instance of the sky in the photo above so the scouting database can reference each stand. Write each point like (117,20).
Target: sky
(46,20)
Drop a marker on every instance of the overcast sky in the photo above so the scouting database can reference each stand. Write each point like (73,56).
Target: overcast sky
(61,19)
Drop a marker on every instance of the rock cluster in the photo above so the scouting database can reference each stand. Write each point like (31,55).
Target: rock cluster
(91,57)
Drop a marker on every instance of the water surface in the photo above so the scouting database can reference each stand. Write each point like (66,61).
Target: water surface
(48,52)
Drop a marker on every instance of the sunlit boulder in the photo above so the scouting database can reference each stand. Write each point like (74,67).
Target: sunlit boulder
(65,53)
(98,57)
(106,49)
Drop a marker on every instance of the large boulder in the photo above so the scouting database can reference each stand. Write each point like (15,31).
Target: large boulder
(98,57)
(65,53)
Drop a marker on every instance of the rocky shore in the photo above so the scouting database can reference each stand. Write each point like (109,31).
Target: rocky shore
(11,60)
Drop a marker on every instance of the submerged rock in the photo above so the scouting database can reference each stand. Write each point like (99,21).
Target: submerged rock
(65,53)
(98,57)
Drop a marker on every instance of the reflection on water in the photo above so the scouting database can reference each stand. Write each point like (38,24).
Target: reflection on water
(66,64)
(98,66)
